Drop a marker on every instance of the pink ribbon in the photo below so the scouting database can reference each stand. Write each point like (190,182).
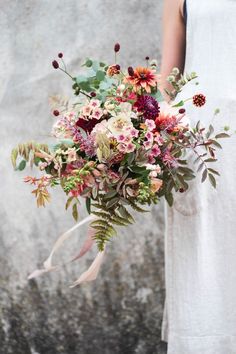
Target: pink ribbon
(91,273)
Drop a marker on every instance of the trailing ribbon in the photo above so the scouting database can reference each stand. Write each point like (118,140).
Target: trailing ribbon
(92,272)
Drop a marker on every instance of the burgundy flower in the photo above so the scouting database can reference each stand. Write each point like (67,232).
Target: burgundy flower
(148,106)
(86,125)
(199,100)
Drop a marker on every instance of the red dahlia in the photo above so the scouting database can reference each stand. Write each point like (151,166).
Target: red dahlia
(148,106)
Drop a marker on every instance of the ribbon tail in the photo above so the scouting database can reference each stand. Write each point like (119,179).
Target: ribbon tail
(38,272)
(48,263)
(89,241)
(92,272)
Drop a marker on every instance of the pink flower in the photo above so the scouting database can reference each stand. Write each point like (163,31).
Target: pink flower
(130,147)
(149,136)
(155,150)
(169,160)
(121,148)
(121,138)
(97,113)
(147,144)
(94,103)
(86,110)
(150,124)
(134,132)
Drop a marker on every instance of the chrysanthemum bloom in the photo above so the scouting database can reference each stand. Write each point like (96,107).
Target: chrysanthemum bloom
(143,78)
(199,100)
(148,106)
(112,70)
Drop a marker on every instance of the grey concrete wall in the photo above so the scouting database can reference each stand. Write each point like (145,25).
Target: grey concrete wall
(122,311)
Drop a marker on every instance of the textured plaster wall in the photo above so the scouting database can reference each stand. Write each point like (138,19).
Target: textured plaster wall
(122,311)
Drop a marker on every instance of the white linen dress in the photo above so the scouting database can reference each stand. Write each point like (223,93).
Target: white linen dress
(200,239)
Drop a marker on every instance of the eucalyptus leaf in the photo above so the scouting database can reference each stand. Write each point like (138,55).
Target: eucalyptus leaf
(21,165)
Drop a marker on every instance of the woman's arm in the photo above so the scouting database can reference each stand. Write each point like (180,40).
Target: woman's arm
(173,41)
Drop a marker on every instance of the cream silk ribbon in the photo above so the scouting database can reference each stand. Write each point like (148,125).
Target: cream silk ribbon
(92,272)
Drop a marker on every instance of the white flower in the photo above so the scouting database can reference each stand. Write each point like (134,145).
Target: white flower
(100,127)
(117,124)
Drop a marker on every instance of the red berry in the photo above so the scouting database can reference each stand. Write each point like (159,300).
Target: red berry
(56,112)
(117,66)
(60,55)
(181,190)
(93,94)
(181,110)
(147,58)
(55,64)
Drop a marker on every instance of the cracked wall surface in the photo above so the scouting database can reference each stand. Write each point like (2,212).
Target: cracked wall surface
(121,312)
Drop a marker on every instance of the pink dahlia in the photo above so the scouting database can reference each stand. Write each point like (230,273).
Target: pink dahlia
(148,106)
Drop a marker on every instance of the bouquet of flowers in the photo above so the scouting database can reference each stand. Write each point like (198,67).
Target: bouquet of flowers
(119,146)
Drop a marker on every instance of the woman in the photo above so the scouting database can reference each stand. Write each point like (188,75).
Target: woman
(200,240)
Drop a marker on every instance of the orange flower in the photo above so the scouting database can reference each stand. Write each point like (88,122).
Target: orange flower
(142,78)
(156,184)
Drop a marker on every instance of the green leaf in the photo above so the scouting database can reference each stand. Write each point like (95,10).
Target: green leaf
(179,104)
(210,131)
(204,175)
(75,212)
(110,194)
(124,213)
(14,155)
(222,135)
(88,205)
(169,199)
(81,78)
(88,63)
(212,180)
(210,160)
(100,75)
(112,202)
(214,142)
(21,165)
(68,203)
(214,171)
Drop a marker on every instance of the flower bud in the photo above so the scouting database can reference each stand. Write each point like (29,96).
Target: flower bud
(56,113)
(116,47)
(60,55)
(55,64)
(130,71)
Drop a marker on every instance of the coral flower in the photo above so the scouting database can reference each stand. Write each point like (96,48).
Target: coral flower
(142,78)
